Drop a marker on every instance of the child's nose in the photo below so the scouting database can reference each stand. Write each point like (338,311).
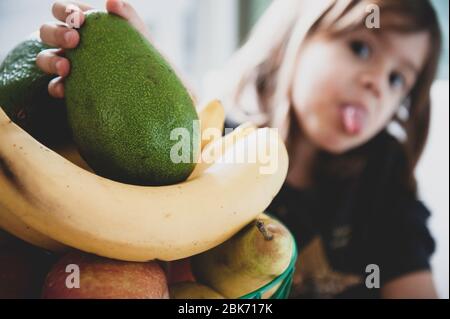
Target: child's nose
(373,81)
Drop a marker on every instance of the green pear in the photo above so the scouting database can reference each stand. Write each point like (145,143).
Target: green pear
(252,258)
(192,290)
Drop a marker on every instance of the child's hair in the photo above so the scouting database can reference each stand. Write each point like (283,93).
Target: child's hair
(256,85)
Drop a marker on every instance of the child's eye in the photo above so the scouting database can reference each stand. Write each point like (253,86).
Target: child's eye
(396,80)
(361,49)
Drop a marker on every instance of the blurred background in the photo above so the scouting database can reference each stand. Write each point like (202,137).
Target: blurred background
(200,35)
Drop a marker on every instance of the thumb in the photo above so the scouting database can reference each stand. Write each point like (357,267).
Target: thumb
(126,11)
(121,8)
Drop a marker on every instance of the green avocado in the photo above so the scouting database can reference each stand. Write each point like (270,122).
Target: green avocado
(124,101)
(25,99)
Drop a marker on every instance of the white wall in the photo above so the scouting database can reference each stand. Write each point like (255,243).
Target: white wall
(433,178)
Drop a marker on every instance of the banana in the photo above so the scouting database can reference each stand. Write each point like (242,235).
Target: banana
(212,119)
(15,226)
(71,153)
(136,223)
(214,150)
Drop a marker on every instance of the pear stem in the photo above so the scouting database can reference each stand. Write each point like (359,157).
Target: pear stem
(264,231)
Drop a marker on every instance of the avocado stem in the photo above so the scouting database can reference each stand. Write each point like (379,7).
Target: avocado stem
(264,231)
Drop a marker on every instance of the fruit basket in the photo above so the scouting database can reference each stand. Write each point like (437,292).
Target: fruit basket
(283,281)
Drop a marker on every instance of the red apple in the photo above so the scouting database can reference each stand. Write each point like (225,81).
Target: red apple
(102,278)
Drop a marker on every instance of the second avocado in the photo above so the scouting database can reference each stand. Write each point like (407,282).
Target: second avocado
(124,101)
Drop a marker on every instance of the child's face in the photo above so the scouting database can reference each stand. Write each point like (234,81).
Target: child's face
(348,88)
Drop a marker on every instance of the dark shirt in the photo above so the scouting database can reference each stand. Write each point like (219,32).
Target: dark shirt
(346,225)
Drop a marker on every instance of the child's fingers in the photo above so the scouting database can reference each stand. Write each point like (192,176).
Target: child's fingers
(59,36)
(51,63)
(63,9)
(56,88)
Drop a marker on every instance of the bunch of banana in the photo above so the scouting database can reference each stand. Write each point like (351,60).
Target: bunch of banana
(211,117)
(49,201)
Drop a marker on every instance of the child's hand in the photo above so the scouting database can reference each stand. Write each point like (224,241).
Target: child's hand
(58,35)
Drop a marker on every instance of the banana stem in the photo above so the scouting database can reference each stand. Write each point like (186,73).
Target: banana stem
(264,231)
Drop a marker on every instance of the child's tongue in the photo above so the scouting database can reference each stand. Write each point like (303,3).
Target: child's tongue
(353,118)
